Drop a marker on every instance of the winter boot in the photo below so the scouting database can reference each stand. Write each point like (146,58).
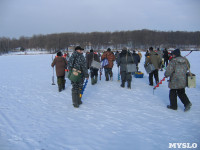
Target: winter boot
(95,79)
(59,82)
(123,84)
(75,99)
(92,81)
(79,97)
(170,107)
(187,107)
(111,76)
(59,88)
(129,85)
(107,77)
(63,84)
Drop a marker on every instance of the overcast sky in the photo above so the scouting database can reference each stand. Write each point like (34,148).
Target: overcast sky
(33,17)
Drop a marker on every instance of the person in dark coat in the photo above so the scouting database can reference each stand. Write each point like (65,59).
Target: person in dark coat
(60,64)
(108,68)
(125,57)
(136,59)
(77,61)
(176,70)
(116,55)
(147,53)
(166,57)
(154,59)
(93,71)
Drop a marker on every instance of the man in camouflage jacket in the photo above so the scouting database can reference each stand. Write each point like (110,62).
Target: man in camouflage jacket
(176,70)
(77,61)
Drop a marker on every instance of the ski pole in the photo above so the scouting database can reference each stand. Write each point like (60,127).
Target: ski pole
(84,86)
(53,73)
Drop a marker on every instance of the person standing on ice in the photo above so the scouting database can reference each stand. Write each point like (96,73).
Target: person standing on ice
(108,68)
(125,58)
(166,57)
(176,70)
(77,61)
(93,71)
(153,58)
(60,64)
(160,53)
(136,59)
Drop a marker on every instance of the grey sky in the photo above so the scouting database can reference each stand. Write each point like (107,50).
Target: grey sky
(33,17)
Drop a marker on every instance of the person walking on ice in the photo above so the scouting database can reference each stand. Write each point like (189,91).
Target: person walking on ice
(60,64)
(77,62)
(176,70)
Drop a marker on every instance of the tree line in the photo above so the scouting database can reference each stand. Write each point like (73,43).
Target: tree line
(137,39)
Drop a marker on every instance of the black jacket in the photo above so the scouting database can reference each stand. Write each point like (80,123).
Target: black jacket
(124,58)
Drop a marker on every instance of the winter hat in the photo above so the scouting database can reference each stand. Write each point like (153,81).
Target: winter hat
(78,48)
(59,54)
(108,49)
(124,49)
(151,48)
(91,50)
(176,52)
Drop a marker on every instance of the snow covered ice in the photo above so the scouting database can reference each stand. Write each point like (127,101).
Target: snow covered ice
(35,116)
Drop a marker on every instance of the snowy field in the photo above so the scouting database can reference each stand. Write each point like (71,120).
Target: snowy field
(35,116)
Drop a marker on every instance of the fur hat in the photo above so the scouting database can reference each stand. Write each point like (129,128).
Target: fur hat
(176,52)
(78,48)
(124,49)
(151,48)
(59,53)
(108,49)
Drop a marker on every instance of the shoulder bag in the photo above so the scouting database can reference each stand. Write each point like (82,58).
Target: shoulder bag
(74,74)
(95,64)
(130,67)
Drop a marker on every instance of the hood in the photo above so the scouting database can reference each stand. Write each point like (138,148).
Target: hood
(180,60)
(153,53)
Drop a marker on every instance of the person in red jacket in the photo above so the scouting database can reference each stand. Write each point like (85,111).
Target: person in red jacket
(108,68)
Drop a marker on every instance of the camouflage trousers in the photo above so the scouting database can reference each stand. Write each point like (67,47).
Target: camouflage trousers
(76,92)
(77,86)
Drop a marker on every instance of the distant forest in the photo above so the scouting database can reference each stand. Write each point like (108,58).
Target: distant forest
(137,39)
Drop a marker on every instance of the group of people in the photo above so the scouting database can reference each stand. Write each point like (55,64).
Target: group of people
(126,61)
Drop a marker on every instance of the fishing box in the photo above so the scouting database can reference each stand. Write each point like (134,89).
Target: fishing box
(190,80)
(139,74)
